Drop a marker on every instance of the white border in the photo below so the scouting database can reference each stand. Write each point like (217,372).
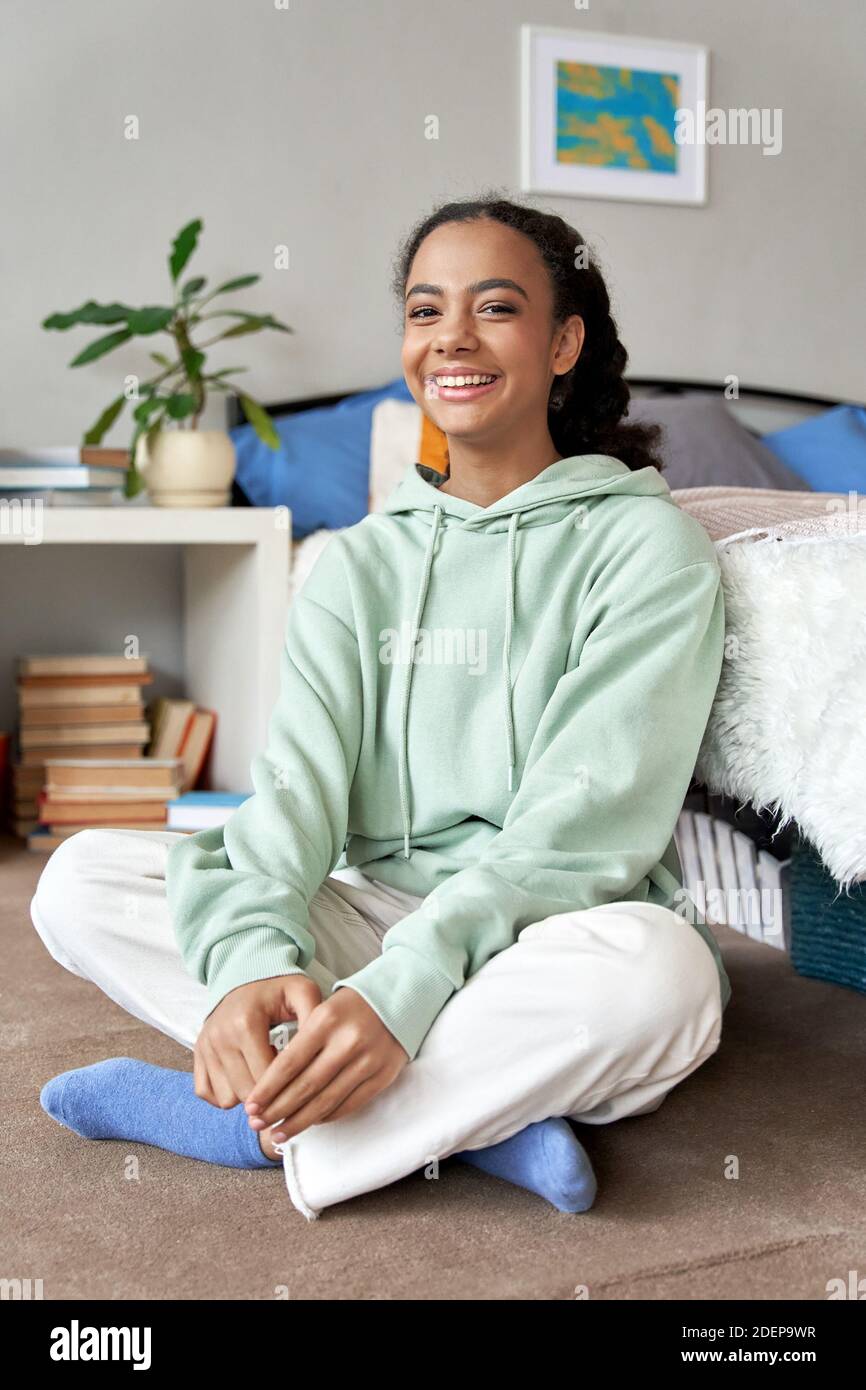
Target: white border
(541,45)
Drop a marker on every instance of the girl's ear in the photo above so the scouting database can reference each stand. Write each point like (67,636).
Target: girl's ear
(572,335)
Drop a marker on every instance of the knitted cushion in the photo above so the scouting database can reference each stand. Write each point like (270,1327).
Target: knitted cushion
(828,928)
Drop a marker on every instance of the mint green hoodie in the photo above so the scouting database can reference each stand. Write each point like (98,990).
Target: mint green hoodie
(532,760)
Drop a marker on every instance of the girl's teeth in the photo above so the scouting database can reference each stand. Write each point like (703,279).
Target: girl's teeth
(464,380)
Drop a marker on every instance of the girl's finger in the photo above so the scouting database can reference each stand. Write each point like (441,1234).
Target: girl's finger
(237,1073)
(221,1088)
(258,1055)
(302,1089)
(361,1096)
(321,1107)
(302,1049)
(200,1076)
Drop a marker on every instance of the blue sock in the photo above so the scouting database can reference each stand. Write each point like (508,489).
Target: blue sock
(547,1158)
(122,1098)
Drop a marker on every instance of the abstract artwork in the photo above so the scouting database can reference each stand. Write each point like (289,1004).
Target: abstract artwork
(600,116)
(616,118)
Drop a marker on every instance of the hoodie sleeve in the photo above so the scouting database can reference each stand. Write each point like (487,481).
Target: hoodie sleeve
(603,784)
(239,894)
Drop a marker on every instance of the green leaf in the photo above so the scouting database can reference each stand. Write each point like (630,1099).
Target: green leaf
(183,246)
(260,421)
(91,312)
(258,320)
(224,371)
(161,359)
(134,482)
(180,405)
(192,288)
(145,409)
(240,283)
(149,320)
(193,361)
(101,346)
(239,330)
(153,433)
(96,432)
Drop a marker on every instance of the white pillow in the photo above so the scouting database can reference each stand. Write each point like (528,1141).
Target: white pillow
(305,553)
(395,439)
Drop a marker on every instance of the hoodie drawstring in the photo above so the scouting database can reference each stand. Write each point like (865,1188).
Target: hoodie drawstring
(407,681)
(506,650)
(403,765)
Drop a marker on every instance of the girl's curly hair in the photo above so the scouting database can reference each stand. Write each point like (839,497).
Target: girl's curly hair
(587,405)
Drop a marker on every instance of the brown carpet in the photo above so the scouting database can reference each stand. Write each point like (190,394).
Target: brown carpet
(783,1097)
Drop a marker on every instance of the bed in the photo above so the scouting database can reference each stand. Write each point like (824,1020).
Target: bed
(784,755)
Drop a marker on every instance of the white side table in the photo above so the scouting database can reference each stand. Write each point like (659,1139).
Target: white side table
(236,598)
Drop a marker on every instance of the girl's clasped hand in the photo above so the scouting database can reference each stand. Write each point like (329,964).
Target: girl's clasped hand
(340,1058)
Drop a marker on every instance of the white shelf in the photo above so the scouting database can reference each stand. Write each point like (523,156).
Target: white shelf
(138,525)
(235,604)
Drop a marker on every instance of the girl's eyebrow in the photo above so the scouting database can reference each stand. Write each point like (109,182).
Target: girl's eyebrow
(477,287)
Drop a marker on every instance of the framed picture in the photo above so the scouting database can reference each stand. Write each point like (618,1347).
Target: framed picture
(599,116)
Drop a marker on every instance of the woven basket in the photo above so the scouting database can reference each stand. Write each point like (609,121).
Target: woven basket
(828,932)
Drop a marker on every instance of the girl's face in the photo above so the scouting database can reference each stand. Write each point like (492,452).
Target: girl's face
(479,303)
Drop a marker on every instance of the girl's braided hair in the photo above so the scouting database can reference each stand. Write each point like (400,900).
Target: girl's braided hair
(586,406)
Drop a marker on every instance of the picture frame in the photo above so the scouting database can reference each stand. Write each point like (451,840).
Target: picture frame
(598,116)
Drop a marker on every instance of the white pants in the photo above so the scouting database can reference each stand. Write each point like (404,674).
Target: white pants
(592,1014)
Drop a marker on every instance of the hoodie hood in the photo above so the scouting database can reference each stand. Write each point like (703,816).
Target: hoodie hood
(548,497)
(556,492)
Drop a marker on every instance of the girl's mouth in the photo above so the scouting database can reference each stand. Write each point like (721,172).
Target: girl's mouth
(461,388)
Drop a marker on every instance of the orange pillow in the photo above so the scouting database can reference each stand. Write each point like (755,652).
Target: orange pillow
(434,446)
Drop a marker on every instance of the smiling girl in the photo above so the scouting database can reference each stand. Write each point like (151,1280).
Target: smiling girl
(461,883)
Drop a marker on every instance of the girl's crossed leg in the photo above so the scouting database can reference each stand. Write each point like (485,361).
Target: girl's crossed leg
(593,1015)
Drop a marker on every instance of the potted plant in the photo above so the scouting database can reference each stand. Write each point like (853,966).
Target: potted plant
(179,464)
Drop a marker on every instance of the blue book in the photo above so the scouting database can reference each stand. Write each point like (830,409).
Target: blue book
(202,810)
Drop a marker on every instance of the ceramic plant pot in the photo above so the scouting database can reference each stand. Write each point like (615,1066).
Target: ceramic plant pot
(188,468)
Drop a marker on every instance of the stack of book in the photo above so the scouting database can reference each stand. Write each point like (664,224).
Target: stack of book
(88,745)
(81,793)
(181,729)
(74,707)
(89,476)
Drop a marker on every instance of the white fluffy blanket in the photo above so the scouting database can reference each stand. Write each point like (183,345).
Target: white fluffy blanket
(787,730)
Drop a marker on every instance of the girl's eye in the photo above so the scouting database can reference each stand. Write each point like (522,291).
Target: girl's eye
(426,309)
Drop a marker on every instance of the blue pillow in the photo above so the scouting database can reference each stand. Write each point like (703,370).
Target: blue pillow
(829,451)
(322,468)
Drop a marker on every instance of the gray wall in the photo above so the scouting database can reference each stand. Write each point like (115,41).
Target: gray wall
(64,598)
(306,127)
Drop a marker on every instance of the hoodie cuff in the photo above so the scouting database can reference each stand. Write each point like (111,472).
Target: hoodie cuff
(258,953)
(405,990)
